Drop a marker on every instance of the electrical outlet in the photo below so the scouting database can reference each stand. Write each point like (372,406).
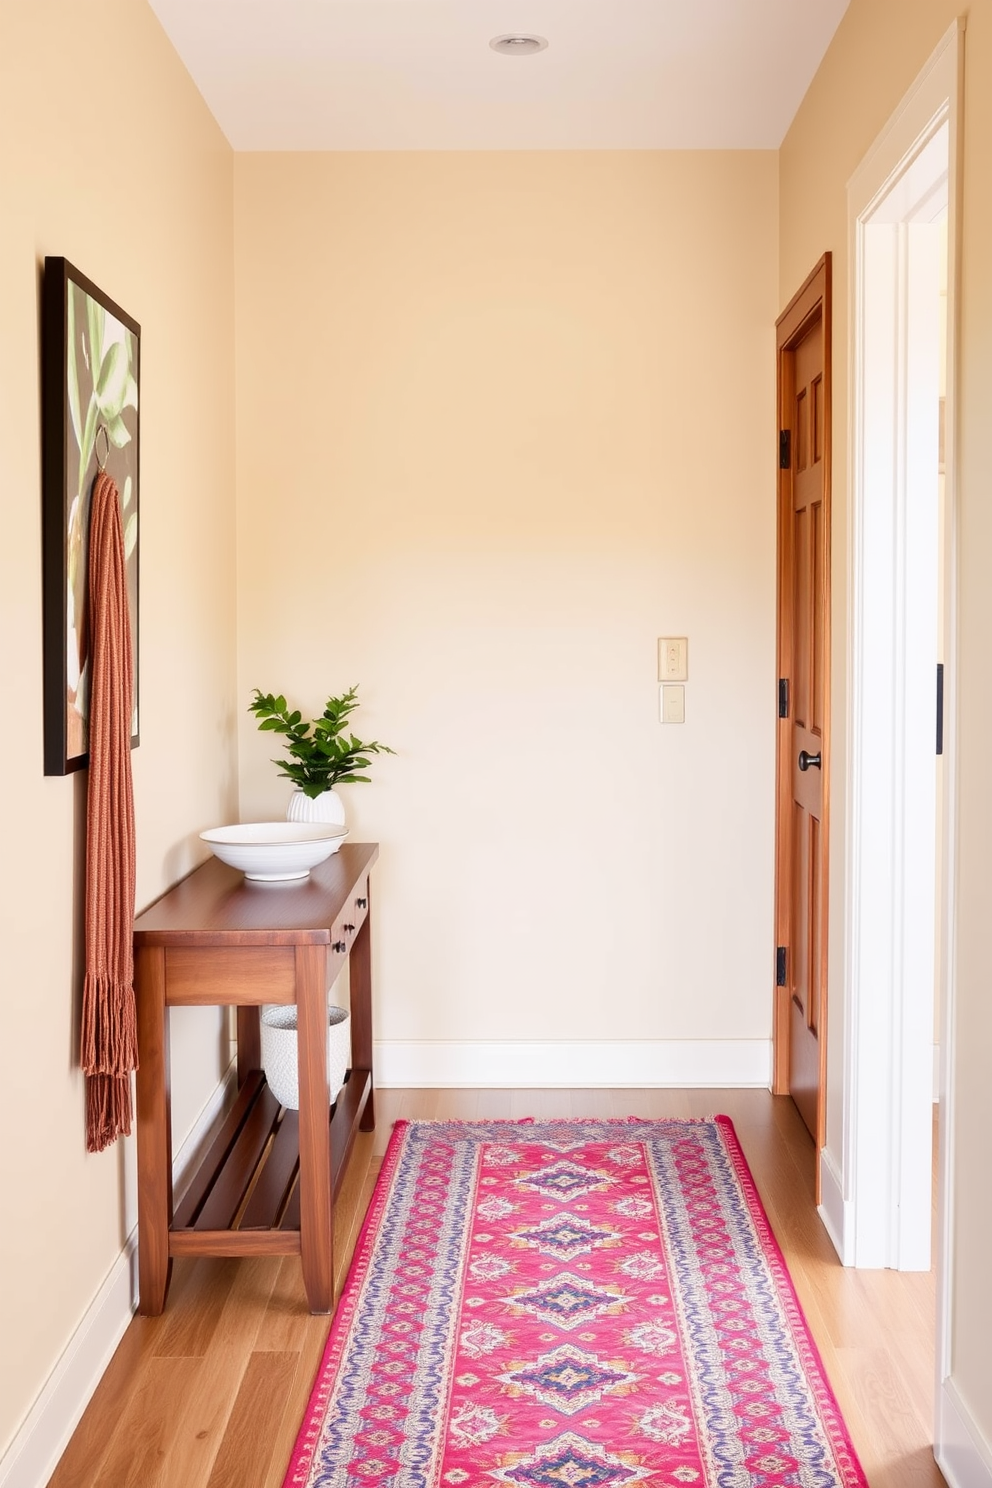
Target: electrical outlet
(672,707)
(673,659)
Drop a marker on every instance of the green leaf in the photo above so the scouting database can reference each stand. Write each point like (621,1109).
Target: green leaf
(127,493)
(75,548)
(279,705)
(72,371)
(131,388)
(130,534)
(86,447)
(112,383)
(96,318)
(118,433)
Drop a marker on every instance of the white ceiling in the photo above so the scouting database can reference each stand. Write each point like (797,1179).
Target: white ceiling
(420,75)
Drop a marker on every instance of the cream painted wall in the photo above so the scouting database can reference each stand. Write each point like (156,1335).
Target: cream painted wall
(503,421)
(879,49)
(109,157)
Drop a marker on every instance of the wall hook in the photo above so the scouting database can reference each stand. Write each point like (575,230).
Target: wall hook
(96,448)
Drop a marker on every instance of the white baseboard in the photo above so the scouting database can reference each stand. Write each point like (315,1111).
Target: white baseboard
(416,1064)
(963,1454)
(33,1454)
(834,1210)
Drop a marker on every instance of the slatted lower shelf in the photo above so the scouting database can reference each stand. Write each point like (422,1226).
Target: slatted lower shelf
(245,1197)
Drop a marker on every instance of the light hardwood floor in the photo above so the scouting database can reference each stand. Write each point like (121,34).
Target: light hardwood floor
(211,1394)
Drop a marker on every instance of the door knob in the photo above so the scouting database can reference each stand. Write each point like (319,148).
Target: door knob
(806,760)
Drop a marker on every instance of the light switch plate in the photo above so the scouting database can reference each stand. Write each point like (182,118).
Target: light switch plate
(673,659)
(672,703)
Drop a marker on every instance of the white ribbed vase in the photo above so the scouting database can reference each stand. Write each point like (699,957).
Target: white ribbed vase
(328,807)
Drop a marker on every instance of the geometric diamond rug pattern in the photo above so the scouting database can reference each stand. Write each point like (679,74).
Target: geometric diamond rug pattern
(570,1304)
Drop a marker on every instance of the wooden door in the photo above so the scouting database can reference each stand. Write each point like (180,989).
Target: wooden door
(804,698)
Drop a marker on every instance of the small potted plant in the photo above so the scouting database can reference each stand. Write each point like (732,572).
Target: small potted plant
(320,753)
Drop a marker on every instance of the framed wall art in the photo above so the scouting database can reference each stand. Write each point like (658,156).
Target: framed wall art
(90,400)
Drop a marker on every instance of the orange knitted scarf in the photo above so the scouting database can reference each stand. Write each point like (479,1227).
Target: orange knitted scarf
(109,1046)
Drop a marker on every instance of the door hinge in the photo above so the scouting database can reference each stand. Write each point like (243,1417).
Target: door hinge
(783,697)
(780,966)
(784,449)
(940,707)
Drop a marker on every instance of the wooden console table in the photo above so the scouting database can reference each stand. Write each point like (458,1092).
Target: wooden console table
(266,1184)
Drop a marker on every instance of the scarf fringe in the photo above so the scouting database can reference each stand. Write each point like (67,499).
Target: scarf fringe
(108,1110)
(109,1043)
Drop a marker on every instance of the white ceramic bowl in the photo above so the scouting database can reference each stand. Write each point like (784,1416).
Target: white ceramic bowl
(272,852)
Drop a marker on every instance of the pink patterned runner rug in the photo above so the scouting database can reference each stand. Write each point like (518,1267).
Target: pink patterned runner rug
(570,1304)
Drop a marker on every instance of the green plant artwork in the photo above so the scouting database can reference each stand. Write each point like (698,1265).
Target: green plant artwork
(102,408)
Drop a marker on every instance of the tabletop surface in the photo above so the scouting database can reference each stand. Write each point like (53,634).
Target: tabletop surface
(216,904)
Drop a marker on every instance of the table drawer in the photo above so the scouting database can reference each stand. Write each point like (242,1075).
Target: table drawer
(351,919)
(233,977)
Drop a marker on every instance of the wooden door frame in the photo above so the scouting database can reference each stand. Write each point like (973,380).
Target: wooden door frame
(810,302)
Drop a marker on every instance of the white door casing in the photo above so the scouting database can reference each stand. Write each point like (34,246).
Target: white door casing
(880,1210)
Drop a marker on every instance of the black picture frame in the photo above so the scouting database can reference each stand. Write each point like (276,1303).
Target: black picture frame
(90,419)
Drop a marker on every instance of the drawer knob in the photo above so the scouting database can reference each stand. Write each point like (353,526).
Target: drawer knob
(362,903)
(348,929)
(340,946)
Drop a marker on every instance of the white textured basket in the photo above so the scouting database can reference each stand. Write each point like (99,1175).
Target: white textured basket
(279,1051)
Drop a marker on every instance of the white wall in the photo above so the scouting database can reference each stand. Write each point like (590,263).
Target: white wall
(503,421)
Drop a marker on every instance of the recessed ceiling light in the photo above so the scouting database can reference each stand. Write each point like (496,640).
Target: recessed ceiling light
(517,45)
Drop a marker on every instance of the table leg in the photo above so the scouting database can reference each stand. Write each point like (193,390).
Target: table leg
(315,1128)
(154,1122)
(249,1042)
(361,1010)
